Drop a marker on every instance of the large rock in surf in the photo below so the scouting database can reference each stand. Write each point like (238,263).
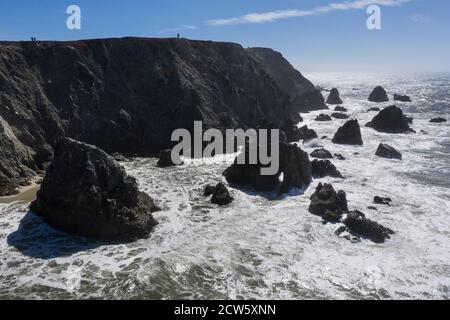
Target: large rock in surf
(324,168)
(334,98)
(321,154)
(323,117)
(327,202)
(390,120)
(388,152)
(349,134)
(220,194)
(307,134)
(294,164)
(339,115)
(438,120)
(378,95)
(358,224)
(402,98)
(87,193)
(340,109)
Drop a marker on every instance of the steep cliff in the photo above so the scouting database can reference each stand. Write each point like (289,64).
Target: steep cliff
(127,95)
(304,96)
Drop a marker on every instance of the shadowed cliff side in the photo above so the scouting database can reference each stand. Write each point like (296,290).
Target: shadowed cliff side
(125,95)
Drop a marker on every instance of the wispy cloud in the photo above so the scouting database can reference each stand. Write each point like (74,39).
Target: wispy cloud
(284,14)
(419,18)
(180,28)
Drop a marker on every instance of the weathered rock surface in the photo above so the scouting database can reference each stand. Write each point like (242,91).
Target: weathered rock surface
(438,120)
(388,152)
(358,224)
(294,165)
(321,154)
(220,194)
(307,134)
(390,120)
(325,198)
(349,134)
(87,193)
(304,96)
(334,98)
(324,168)
(340,109)
(382,200)
(323,117)
(378,95)
(128,95)
(402,98)
(339,115)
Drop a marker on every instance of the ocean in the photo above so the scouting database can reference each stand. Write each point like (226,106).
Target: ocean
(264,246)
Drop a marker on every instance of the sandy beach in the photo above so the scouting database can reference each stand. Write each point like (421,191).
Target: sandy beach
(26,194)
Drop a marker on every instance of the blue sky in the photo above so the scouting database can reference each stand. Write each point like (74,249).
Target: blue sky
(414,36)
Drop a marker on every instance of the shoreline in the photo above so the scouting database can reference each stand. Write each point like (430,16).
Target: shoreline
(26,193)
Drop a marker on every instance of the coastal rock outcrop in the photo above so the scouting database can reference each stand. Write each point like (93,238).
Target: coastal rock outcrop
(327,202)
(390,120)
(388,152)
(303,95)
(128,95)
(402,98)
(307,134)
(359,225)
(438,120)
(378,95)
(324,168)
(87,193)
(339,115)
(349,134)
(340,109)
(323,117)
(220,194)
(321,154)
(294,165)
(334,98)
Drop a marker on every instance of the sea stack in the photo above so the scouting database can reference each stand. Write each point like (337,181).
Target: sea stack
(390,120)
(378,95)
(334,98)
(349,133)
(85,192)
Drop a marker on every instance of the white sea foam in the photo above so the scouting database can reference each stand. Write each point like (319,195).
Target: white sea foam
(263,246)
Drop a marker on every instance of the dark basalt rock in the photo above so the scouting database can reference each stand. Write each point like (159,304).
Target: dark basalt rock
(87,193)
(327,199)
(402,98)
(209,190)
(358,224)
(334,98)
(165,159)
(388,152)
(321,154)
(382,200)
(390,120)
(324,168)
(339,115)
(378,95)
(438,120)
(323,117)
(307,134)
(349,134)
(374,110)
(340,109)
(296,118)
(339,156)
(294,165)
(119,157)
(220,194)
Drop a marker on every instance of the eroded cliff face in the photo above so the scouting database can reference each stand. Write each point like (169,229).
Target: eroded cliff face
(304,96)
(126,95)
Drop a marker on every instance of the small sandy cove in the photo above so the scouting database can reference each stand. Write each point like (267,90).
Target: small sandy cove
(26,194)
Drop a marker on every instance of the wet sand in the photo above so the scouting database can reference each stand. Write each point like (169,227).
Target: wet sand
(26,194)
